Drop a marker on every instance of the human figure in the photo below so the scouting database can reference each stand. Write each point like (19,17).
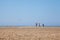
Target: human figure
(39,24)
(43,25)
(36,24)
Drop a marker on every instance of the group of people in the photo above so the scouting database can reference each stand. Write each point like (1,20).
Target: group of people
(38,24)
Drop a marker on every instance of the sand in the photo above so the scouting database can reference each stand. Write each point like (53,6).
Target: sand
(29,33)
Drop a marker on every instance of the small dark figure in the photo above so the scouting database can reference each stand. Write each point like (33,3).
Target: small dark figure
(36,24)
(39,24)
(43,25)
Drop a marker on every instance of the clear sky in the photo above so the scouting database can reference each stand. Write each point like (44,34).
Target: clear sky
(28,12)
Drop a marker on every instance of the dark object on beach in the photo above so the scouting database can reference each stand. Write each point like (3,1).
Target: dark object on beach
(39,24)
(43,25)
(36,24)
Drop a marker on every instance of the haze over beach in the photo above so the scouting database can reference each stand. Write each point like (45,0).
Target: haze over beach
(28,12)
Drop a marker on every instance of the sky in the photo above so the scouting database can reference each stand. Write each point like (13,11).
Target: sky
(28,12)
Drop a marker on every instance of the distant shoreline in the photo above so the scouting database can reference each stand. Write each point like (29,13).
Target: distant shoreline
(29,27)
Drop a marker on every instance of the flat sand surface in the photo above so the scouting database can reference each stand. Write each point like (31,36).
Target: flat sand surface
(30,33)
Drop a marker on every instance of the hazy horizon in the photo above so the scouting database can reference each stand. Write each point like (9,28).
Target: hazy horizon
(28,12)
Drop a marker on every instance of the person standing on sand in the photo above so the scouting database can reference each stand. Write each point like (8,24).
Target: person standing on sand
(36,24)
(43,25)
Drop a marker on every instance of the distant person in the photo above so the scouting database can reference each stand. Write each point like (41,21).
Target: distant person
(43,25)
(39,24)
(36,24)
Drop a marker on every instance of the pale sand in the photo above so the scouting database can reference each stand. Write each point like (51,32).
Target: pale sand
(29,33)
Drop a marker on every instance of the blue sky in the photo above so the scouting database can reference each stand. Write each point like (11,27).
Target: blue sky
(28,12)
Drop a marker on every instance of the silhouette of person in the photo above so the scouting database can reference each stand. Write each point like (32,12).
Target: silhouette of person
(39,24)
(43,25)
(36,24)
